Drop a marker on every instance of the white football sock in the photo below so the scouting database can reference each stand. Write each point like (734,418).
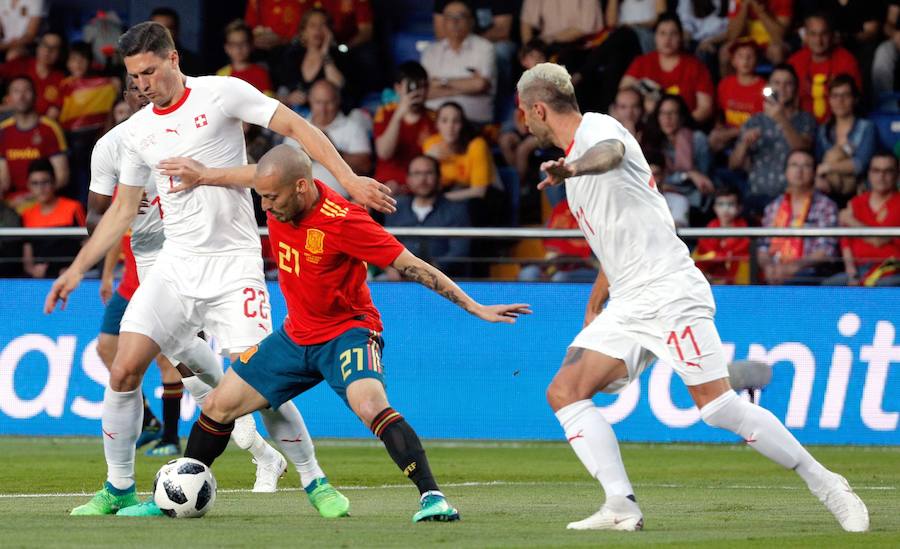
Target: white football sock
(764,433)
(286,426)
(121,418)
(197,388)
(595,444)
(201,360)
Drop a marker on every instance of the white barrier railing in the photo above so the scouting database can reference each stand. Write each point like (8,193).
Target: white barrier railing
(519,232)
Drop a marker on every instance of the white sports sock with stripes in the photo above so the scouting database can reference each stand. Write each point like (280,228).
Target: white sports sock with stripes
(121,419)
(595,444)
(286,426)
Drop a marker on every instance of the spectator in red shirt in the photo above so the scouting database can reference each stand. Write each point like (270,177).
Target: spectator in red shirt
(763,21)
(817,63)
(46,258)
(673,70)
(873,261)
(725,260)
(739,96)
(274,22)
(44,74)
(401,128)
(239,48)
(24,137)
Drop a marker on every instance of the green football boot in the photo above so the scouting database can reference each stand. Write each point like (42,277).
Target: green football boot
(435,507)
(328,502)
(107,501)
(142,509)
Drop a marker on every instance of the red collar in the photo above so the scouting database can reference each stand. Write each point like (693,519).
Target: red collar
(569,148)
(174,106)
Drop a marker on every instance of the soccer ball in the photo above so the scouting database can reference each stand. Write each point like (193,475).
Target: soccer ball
(184,488)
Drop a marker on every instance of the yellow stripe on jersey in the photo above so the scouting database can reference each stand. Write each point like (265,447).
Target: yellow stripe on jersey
(331,209)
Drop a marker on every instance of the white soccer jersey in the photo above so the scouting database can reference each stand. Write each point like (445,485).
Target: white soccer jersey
(147,228)
(205,124)
(622,214)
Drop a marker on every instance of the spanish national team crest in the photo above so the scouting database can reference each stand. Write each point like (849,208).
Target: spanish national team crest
(315,241)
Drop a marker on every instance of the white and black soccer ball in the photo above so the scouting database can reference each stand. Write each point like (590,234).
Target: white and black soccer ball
(184,488)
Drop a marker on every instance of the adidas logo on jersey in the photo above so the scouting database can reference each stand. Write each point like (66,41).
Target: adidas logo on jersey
(331,209)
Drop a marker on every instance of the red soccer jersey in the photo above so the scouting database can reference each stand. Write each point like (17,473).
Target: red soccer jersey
(721,258)
(409,143)
(20,146)
(254,74)
(46,90)
(322,268)
(346,15)
(282,16)
(739,103)
(815,76)
(755,28)
(688,78)
(129,283)
(886,216)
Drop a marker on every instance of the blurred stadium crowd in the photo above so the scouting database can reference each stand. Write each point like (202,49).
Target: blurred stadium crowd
(776,113)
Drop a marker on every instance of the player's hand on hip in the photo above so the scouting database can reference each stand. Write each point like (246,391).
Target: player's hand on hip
(187,170)
(502,313)
(106,290)
(557,171)
(62,287)
(371,193)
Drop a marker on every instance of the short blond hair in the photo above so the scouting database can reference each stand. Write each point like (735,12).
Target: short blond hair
(549,83)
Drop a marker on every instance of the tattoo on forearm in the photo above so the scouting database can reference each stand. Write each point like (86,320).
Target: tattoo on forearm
(430,280)
(601,158)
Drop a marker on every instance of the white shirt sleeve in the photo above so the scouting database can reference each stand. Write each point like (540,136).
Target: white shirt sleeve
(241,100)
(597,128)
(105,165)
(133,171)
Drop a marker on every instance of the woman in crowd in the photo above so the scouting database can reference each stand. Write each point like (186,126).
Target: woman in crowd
(467,169)
(316,57)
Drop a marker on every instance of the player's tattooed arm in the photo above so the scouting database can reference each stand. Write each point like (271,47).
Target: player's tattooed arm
(413,268)
(601,158)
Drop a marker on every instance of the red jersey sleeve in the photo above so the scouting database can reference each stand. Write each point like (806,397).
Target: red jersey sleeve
(363,238)
(781,8)
(251,16)
(363,10)
(638,67)
(704,79)
(382,118)
(846,63)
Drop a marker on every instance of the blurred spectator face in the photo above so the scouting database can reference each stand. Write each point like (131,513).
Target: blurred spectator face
(667,38)
(133,97)
(727,208)
(324,103)
(744,60)
(168,22)
(419,87)
(841,100)
(449,123)
(457,21)
(800,171)
(669,117)
(628,108)
(817,36)
(883,174)
(533,57)
(422,178)
(121,111)
(40,184)
(784,85)
(21,96)
(77,64)
(315,31)
(48,48)
(238,46)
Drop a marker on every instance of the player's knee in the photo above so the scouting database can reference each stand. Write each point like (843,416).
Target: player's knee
(560,395)
(368,408)
(217,408)
(123,376)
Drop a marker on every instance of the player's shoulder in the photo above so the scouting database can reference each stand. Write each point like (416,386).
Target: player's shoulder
(593,123)
(108,142)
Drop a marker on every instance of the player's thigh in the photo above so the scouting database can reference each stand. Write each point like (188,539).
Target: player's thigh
(367,397)
(159,311)
(352,356)
(232,399)
(691,345)
(277,368)
(240,314)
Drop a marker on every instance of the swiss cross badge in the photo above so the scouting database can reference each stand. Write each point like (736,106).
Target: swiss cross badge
(200,121)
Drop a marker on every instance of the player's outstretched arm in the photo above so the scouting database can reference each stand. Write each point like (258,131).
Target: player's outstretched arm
(191,173)
(413,268)
(364,190)
(109,231)
(601,158)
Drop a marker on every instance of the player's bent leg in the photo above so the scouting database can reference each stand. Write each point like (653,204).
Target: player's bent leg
(583,374)
(121,424)
(106,348)
(761,430)
(173,390)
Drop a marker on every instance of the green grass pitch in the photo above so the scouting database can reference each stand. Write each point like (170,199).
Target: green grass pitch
(509,495)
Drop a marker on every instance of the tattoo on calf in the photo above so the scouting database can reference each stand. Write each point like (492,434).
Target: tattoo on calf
(430,280)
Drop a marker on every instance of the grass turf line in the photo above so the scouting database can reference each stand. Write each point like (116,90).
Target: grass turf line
(517,495)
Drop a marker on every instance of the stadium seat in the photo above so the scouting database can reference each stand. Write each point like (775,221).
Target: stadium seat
(408,46)
(888,126)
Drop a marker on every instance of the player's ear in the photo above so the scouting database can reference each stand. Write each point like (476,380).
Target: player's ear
(540,110)
(173,58)
(302,185)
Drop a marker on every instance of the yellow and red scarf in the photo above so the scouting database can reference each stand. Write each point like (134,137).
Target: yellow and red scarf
(789,248)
